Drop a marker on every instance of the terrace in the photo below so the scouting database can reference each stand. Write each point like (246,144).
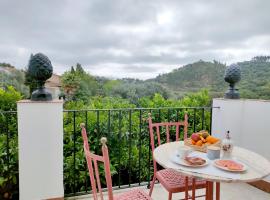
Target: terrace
(228,192)
(125,77)
(128,142)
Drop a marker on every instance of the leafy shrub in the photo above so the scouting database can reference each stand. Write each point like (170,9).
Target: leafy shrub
(8,144)
(127,133)
(126,130)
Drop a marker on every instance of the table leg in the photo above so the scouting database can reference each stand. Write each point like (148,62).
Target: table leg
(207,190)
(186,188)
(217,190)
(209,195)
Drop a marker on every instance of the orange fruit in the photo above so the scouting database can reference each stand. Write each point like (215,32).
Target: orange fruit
(193,142)
(212,139)
(199,143)
(208,139)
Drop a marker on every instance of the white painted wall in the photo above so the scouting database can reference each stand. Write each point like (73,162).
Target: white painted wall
(248,122)
(40,127)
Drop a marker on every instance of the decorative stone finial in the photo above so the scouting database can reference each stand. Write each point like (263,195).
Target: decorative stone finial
(232,76)
(40,69)
(103,141)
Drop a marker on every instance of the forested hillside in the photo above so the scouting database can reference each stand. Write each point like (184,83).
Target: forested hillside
(255,82)
(193,77)
(78,84)
(10,76)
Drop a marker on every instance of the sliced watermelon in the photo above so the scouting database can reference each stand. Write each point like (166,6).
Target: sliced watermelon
(230,164)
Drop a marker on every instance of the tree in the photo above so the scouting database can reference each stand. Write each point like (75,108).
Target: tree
(261,58)
(79,69)
(79,85)
(72,70)
(70,83)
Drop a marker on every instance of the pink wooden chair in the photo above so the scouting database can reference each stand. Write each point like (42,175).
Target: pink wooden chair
(170,179)
(92,163)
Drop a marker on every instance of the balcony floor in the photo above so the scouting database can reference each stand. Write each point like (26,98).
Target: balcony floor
(229,191)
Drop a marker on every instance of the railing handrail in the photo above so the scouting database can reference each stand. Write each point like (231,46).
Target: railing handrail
(117,109)
(159,108)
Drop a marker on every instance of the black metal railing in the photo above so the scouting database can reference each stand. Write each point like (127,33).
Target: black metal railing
(9,175)
(128,142)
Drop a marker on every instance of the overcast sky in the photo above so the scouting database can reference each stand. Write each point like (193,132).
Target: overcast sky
(133,38)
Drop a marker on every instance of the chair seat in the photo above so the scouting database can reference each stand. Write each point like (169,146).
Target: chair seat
(173,181)
(136,194)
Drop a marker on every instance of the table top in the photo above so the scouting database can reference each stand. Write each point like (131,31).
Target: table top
(258,166)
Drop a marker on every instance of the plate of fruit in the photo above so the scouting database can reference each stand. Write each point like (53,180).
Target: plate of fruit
(200,140)
(230,165)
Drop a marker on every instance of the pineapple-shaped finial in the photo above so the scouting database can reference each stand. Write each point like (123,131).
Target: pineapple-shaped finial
(40,69)
(232,76)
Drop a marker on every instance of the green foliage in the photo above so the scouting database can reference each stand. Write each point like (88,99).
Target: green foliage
(8,162)
(261,58)
(133,89)
(78,84)
(95,128)
(79,69)
(8,143)
(7,65)
(8,98)
(127,133)
(254,82)
(110,85)
(9,76)
(198,99)
(194,77)
(126,130)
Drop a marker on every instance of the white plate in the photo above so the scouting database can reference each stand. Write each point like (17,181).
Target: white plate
(231,170)
(176,159)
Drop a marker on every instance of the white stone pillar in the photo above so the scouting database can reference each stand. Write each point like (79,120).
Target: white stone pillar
(248,122)
(40,129)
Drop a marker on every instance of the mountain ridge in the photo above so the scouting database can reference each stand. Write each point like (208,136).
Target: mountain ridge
(192,77)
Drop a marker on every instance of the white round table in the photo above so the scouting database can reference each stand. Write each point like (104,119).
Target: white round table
(258,166)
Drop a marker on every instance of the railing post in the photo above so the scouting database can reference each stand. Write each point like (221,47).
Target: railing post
(40,129)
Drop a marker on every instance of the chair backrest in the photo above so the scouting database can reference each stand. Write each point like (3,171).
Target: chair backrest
(156,127)
(92,164)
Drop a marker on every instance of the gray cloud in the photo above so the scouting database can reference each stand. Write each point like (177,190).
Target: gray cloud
(133,38)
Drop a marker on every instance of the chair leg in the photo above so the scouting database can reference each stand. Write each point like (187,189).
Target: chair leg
(170,196)
(193,189)
(152,185)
